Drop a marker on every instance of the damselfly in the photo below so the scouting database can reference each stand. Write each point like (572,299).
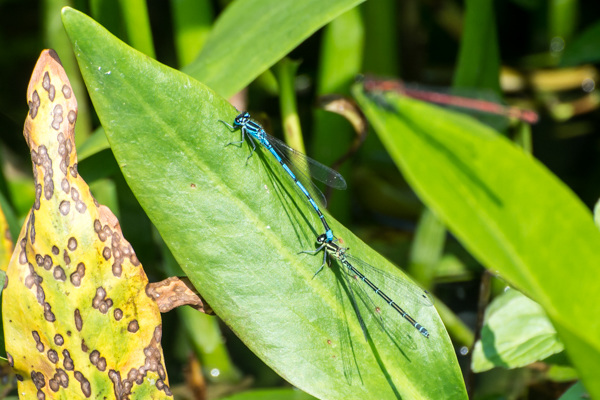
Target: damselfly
(351,264)
(284,156)
(439,97)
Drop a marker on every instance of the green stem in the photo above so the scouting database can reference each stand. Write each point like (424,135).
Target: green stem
(286,74)
(137,23)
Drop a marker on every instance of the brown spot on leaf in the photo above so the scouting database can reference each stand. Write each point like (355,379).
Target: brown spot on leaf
(133,326)
(68,361)
(78,320)
(47,262)
(38,196)
(40,295)
(34,104)
(55,250)
(46,81)
(38,343)
(51,93)
(98,227)
(57,114)
(78,275)
(119,390)
(85,384)
(100,302)
(31,223)
(161,372)
(38,379)
(53,384)
(48,314)
(66,89)
(66,257)
(58,340)
(101,364)
(59,274)
(64,207)
(72,244)
(62,377)
(53,356)
(65,185)
(117,268)
(106,253)
(118,313)
(22,257)
(72,116)
(94,356)
(80,206)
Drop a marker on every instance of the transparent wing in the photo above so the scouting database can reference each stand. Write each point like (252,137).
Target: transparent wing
(399,289)
(368,306)
(301,162)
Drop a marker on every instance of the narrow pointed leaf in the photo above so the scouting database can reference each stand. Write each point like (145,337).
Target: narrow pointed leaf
(236,226)
(506,208)
(252,35)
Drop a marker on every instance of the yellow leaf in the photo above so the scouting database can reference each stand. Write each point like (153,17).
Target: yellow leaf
(78,322)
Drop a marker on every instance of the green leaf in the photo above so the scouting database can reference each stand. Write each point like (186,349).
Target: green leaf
(516,332)
(93,145)
(271,394)
(137,24)
(584,48)
(252,35)
(575,392)
(507,209)
(192,22)
(479,59)
(236,226)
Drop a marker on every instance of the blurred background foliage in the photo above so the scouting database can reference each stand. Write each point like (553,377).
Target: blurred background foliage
(546,59)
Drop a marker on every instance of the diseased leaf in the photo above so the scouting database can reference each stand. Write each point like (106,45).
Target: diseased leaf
(175,292)
(77,319)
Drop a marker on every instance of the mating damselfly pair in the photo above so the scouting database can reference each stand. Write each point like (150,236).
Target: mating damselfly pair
(297,165)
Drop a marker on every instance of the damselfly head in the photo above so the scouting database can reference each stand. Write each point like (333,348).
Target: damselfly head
(321,239)
(241,119)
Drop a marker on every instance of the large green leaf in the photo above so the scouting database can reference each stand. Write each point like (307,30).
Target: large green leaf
(236,228)
(507,209)
(252,35)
